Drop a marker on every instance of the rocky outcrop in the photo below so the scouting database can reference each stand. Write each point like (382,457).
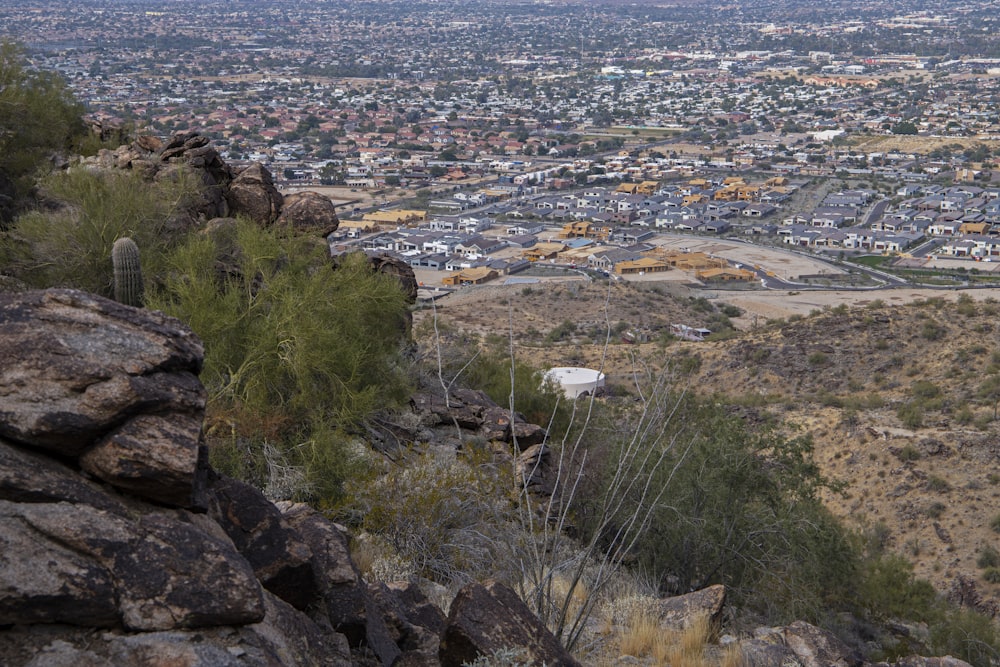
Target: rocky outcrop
(309,213)
(223,192)
(132,420)
(281,560)
(252,194)
(107,554)
(678,612)
(485,618)
(811,646)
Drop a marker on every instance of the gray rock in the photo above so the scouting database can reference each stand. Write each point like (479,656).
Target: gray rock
(350,609)
(43,581)
(285,637)
(252,193)
(77,365)
(533,467)
(762,653)
(419,608)
(488,617)
(309,213)
(157,573)
(177,576)
(289,637)
(280,558)
(815,647)
(527,435)
(159,458)
(678,612)
(419,644)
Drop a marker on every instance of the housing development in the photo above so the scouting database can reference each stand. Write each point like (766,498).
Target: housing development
(479,136)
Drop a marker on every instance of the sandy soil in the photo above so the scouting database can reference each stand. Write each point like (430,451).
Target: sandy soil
(772,305)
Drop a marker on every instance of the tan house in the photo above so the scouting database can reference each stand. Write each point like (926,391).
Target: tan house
(643,188)
(473,276)
(581,229)
(641,265)
(543,251)
(978,228)
(694,261)
(725,274)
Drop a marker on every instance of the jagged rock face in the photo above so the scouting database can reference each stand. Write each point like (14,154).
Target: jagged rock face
(309,213)
(280,559)
(349,607)
(113,385)
(489,617)
(91,386)
(252,193)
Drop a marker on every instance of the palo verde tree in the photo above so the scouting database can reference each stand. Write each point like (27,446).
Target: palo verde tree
(38,116)
(297,354)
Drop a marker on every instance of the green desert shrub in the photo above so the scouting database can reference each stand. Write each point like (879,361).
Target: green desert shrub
(297,354)
(739,507)
(38,116)
(72,245)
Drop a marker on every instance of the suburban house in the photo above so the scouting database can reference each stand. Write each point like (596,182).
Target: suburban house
(641,266)
(472,276)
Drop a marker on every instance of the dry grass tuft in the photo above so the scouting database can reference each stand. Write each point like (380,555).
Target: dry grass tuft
(644,637)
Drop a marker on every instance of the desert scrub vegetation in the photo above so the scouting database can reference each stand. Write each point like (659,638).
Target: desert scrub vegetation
(445,518)
(297,354)
(38,116)
(71,245)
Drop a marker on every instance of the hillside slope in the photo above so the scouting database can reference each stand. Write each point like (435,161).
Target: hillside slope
(899,399)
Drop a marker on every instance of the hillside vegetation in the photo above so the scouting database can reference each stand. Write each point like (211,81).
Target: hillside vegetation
(793,463)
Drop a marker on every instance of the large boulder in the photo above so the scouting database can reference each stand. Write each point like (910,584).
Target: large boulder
(485,618)
(253,194)
(816,647)
(812,646)
(155,573)
(414,623)
(349,607)
(280,558)
(680,611)
(309,213)
(86,373)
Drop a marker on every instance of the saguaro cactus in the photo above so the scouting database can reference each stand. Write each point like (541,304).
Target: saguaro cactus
(128,273)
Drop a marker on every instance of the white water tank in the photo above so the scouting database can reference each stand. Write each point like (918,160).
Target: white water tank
(575,381)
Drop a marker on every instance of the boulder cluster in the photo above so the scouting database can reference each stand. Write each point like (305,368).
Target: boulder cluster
(119,545)
(225,192)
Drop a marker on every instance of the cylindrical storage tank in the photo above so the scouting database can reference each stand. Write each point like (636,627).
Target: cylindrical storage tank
(576,381)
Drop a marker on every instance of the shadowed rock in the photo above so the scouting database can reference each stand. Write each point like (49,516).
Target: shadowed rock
(488,617)
(280,558)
